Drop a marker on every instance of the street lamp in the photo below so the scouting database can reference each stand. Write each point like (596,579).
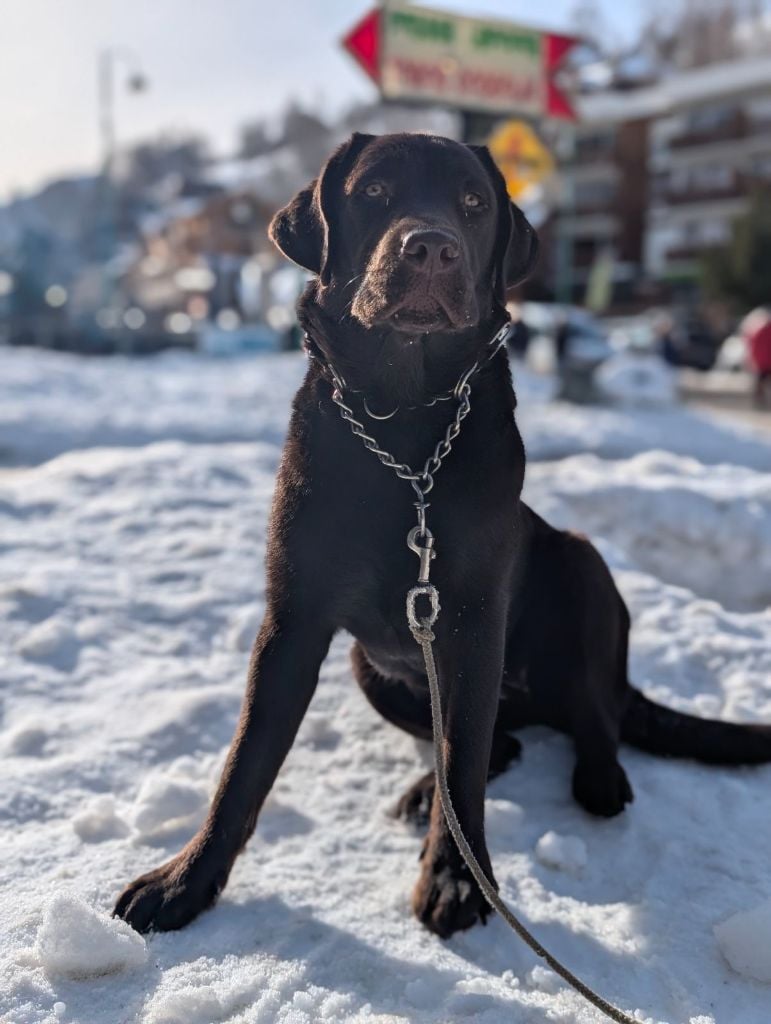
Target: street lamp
(136,82)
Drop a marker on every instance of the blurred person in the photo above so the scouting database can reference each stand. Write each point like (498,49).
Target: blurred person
(664,329)
(562,340)
(756,330)
(686,340)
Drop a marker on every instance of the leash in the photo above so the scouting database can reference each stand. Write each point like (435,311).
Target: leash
(421,541)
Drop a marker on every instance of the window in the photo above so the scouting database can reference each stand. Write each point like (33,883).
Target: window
(710,119)
(594,193)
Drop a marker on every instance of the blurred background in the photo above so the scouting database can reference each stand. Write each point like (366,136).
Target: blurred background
(146,147)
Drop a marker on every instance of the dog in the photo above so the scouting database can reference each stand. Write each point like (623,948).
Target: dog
(412,242)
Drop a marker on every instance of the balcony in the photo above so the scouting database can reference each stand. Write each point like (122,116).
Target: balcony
(736,189)
(595,205)
(727,129)
(684,254)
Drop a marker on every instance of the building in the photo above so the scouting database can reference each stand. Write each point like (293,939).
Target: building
(655,175)
(710,149)
(602,212)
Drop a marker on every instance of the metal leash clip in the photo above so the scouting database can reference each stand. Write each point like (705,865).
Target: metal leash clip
(421,541)
(420,627)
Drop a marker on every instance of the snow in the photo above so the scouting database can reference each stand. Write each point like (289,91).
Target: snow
(693,525)
(164,803)
(638,379)
(565,853)
(133,508)
(99,821)
(745,941)
(76,941)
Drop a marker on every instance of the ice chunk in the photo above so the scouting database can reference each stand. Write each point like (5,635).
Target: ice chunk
(745,942)
(99,821)
(163,802)
(190,1006)
(52,641)
(544,979)
(565,853)
(77,941)
(27,739)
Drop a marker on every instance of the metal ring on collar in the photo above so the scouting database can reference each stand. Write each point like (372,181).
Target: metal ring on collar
(463,382)
(375,416)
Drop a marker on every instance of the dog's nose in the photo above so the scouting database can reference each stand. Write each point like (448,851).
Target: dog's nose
(431,249)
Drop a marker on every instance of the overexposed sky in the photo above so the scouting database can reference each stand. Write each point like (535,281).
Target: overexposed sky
(212,65)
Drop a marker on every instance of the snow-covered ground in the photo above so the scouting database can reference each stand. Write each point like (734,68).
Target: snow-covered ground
(133,508)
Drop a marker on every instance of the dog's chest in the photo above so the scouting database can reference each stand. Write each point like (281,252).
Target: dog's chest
(373,568)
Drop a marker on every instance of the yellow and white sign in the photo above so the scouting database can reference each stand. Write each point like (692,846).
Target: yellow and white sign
(522,158)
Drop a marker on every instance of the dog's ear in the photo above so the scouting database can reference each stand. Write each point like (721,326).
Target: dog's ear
(303,230)
(297,231)
(516,245)
(522,250)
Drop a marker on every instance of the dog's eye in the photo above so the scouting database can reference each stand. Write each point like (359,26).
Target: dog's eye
(375,190)
(472,200)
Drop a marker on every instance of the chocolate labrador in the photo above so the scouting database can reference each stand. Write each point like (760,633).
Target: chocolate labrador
(412,242)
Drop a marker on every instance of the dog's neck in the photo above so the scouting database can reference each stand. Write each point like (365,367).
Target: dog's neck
(389,367)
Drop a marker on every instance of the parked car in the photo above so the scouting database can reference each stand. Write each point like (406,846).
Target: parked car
(689,341)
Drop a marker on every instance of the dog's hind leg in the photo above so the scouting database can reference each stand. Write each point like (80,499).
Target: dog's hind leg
(405,706)
(414,806)
(568,654)
(409,708)
(597,639)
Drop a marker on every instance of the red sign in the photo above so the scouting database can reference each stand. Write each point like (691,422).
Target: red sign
(417,53)
(363,44)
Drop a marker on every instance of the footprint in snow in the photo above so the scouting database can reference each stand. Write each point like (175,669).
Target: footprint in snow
(27,604)
(278,821)
(319,733)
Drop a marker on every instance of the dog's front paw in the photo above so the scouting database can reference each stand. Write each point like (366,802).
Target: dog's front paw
(602,790)
(170,896)
(447,899)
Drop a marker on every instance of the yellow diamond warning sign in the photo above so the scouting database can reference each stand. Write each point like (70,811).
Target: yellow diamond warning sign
(523,159)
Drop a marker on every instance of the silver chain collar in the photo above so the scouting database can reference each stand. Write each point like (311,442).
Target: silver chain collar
(423,481)
(420,539)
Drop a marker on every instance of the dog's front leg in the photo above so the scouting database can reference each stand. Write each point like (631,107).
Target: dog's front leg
(282,677)
(469,654)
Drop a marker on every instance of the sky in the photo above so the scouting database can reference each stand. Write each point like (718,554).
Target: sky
(212,65)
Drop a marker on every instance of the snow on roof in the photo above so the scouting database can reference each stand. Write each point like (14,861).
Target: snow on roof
(684,88)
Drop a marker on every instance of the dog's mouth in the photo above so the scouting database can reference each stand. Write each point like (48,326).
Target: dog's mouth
(414,310)
(424,318)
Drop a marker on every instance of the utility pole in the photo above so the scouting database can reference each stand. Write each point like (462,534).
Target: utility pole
(135,82)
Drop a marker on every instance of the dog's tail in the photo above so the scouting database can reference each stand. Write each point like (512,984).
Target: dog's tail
(660,730)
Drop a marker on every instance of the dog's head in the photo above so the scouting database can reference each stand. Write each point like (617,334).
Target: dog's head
(412,233)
